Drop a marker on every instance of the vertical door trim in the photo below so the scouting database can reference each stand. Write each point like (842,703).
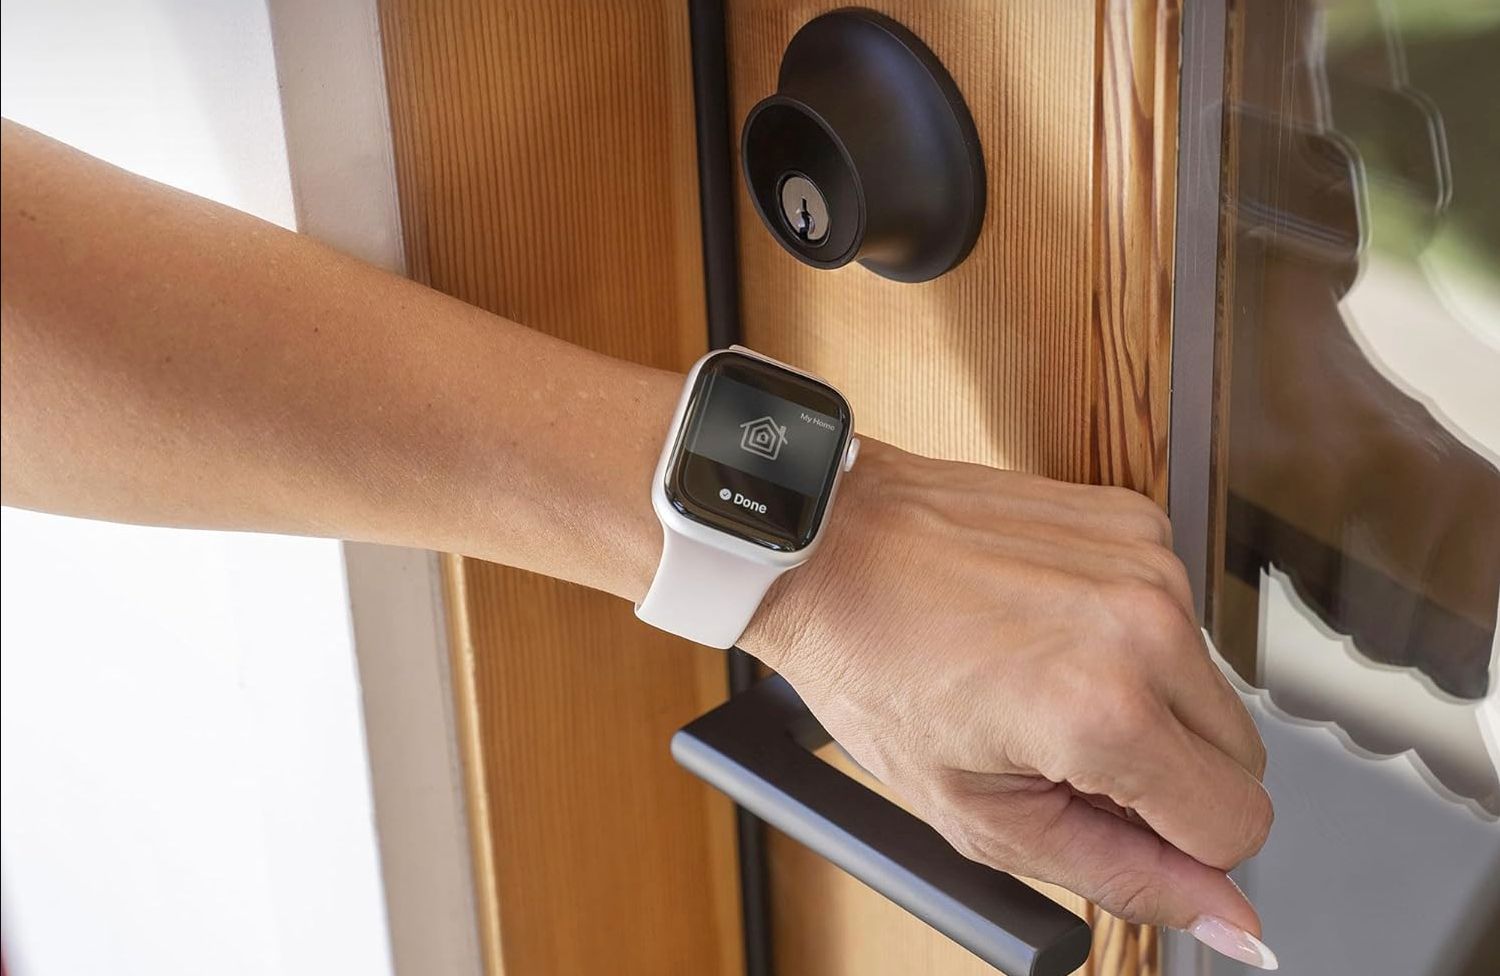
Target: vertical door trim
(716,155)
(717,150)
(1195,294)
(342,162)
(1195,286)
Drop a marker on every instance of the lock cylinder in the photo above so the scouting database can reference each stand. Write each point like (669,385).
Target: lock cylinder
(791,154)
(866,152)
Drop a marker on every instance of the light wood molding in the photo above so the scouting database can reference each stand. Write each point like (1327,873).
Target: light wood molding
(546,161)
(1135,195)
(1047,350)
(344,184)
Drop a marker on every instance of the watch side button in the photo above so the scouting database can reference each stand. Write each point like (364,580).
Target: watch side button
(851,454)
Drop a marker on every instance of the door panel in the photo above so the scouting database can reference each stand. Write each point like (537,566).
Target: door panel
(532,142)
(1047,350)
(1357,535)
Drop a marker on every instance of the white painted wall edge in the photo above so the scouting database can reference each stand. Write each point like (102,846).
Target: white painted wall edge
(338,135)
(416,768)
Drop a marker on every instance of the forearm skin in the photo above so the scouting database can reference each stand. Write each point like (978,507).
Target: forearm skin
(171,361)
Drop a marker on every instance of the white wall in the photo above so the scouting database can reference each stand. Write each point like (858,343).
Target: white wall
(183,783)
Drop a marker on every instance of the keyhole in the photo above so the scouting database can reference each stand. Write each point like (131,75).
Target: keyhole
(803,210)
(804,226)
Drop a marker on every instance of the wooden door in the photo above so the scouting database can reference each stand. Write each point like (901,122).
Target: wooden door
(532,142)
(531,139)
(1047,350)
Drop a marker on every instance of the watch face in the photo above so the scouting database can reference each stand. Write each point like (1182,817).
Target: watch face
(759,451)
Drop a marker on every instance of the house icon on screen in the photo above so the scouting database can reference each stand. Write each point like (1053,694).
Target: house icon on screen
(762,437)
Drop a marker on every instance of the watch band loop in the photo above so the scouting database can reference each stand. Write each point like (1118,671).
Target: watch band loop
(704,593)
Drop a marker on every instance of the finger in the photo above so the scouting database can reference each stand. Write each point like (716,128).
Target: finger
(1193,795)
(1134,874)
(1053,835)
(1196,690)
(1206,703)
(1154,565)
(1126,514)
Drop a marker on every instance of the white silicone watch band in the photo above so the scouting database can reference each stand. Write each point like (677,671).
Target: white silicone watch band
(703,593)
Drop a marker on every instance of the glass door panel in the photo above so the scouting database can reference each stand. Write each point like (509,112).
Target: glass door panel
(1356,528)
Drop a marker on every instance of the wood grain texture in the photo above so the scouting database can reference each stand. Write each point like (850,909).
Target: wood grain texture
(533,141)
(988,362)
(1135,203)
(1047,350)
(1135,195)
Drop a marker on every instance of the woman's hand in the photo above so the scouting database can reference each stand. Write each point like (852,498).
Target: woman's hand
(1018,659)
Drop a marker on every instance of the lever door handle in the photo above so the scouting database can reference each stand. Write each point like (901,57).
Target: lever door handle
(757,748)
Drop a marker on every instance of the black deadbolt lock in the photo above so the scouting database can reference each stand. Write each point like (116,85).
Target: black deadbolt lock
(866,152)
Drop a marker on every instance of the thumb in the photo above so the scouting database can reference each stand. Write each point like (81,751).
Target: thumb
(1130,872)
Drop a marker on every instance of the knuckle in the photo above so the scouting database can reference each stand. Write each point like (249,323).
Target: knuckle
(963,842)
(1072,682)
(1139,516)
(1257,757)
(1163,525)
(1253,827)
(1162,563)
(1130,606)
(1158,609)
(1125,713)
(999,840)
(1132,895)
(1261,817)
(979,841)
(999,835)
(1146,607)
(1118,711)
(1123,499)
(1093,703)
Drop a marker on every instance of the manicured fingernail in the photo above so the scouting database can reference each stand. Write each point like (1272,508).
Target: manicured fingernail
(1232,941)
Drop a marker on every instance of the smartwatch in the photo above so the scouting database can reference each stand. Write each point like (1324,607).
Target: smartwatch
(743,488)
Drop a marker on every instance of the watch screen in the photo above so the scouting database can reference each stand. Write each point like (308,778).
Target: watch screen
(759,452)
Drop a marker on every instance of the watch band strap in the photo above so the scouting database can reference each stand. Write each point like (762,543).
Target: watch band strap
(704,593)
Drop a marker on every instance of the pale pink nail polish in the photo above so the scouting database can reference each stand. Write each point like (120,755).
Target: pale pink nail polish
(1231,940)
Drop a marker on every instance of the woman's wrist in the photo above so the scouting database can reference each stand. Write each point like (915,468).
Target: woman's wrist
(629,537)
(634,437)
(563,480)
(803,607)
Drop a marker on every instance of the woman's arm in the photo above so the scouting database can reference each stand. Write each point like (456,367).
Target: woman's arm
(172,361)
(1015,656)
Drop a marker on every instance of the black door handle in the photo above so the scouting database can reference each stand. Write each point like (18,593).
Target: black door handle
(757,748)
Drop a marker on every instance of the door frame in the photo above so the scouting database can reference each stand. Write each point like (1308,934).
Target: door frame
(1195,287)
(329,66)
(1195,345)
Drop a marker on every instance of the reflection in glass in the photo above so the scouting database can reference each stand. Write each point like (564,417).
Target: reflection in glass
(1358,445)
(1363,423)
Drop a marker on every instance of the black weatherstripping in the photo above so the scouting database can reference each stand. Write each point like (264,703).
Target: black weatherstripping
(721,277)
(757,748)
(716,148)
